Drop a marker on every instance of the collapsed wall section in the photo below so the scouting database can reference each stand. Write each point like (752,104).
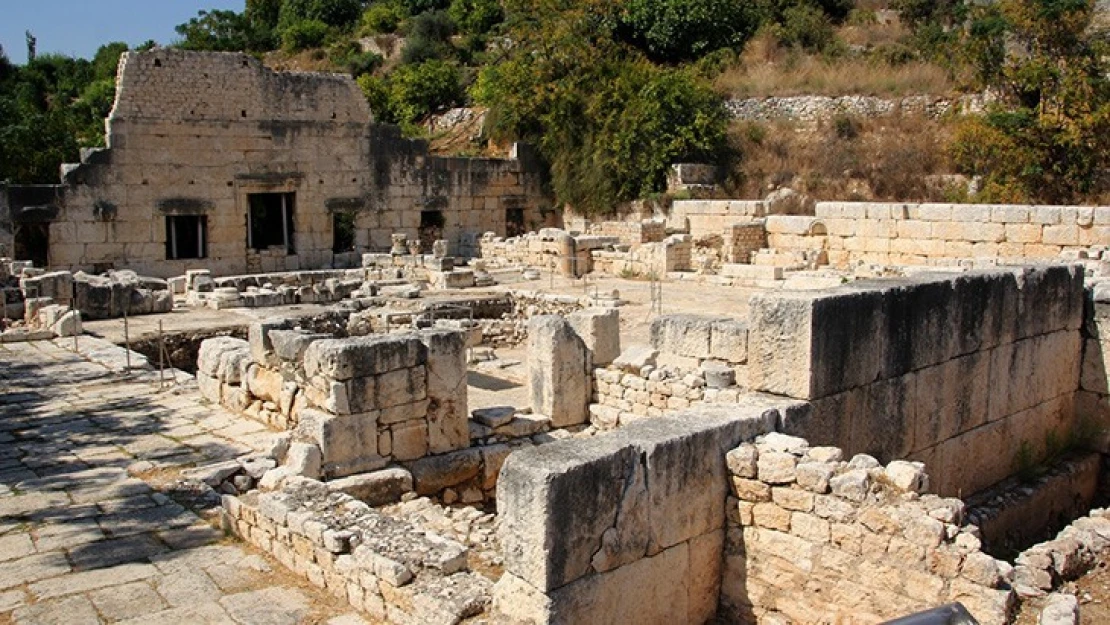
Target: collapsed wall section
(944,369)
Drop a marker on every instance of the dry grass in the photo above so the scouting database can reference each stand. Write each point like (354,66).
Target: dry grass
(768,69)
(845,159)
(808,75)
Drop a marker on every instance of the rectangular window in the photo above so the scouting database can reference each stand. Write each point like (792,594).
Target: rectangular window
(186,237)
(431,228)
(342,233)
(271,221)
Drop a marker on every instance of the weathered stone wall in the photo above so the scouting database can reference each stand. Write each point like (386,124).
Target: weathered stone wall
(196,133)
(625,527)
(944,369)
(928,234)
(813,538)
(1094,396)
(6,225)
(812,109)
(702,218)
(631,232)
(742,240)
(673,254)
(364,402)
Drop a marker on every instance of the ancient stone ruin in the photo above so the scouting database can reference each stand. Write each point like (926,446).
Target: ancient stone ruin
(477,410)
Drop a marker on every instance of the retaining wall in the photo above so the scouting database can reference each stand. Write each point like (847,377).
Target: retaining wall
(929,234)
(948,369)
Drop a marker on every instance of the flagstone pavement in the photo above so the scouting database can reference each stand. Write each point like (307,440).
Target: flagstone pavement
(95,527)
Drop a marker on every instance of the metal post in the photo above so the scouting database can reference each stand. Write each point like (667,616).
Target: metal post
(161,358)
(126,340)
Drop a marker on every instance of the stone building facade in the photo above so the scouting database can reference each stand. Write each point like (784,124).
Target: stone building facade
(214,161)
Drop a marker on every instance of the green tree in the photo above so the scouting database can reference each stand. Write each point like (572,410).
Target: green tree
(337,13)
(476,17)
(607,120)
(413,91)
(675,30)
(1049,137)
(220,31)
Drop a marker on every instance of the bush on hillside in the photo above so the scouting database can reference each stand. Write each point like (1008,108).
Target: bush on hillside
(304,35)
(381,18)
(411,92)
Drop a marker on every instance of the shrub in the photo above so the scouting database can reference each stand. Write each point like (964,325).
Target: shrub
(673,30)
(412,91)
(383,17)
(337,13)
(807,27)
(429,37)
(475,17)
(303,35)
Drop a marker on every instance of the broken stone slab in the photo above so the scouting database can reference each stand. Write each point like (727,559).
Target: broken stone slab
(636,357)
(494,416)
(600,331)
(718,374)
(524,425)
(213,474)
(432,474)
(290,345)
(377,488)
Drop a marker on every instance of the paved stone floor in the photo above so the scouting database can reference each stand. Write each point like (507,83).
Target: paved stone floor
(94,527)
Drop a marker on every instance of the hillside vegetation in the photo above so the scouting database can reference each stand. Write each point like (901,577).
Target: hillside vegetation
(612,92)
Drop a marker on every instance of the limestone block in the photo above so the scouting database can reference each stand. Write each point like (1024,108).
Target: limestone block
(377,488)
(728,341)
(683,335)
(69,324)
(410,440)
(262,348)
(213,354)
(304,459)
(432,474)
(636,357)
(656,589)
(599,329)
(1030,372)
(649,486)
(446,390)
(263,383)
(348,443)
(343,359)
(951,398)
(290,345)
(558,380)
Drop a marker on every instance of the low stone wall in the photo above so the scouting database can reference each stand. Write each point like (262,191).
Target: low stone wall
(812,538)
(624,527)
(383,566)
(927,234)
(674,254)
(700,218)
(946,369)
(364,402)
(743,240)
(1074,551)
(631,232)
(814,108)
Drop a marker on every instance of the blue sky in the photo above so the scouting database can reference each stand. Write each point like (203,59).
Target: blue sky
(79,27)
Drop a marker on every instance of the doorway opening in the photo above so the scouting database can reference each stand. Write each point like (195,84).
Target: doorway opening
(270,221)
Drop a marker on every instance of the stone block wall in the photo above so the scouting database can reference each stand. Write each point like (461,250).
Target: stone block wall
(195,134)
(946,369)
(813,537)
(742,240)
(624,527)
(1094,395)
(929,234)
(674,254)
(701,218)
(629,232)
(364,402)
